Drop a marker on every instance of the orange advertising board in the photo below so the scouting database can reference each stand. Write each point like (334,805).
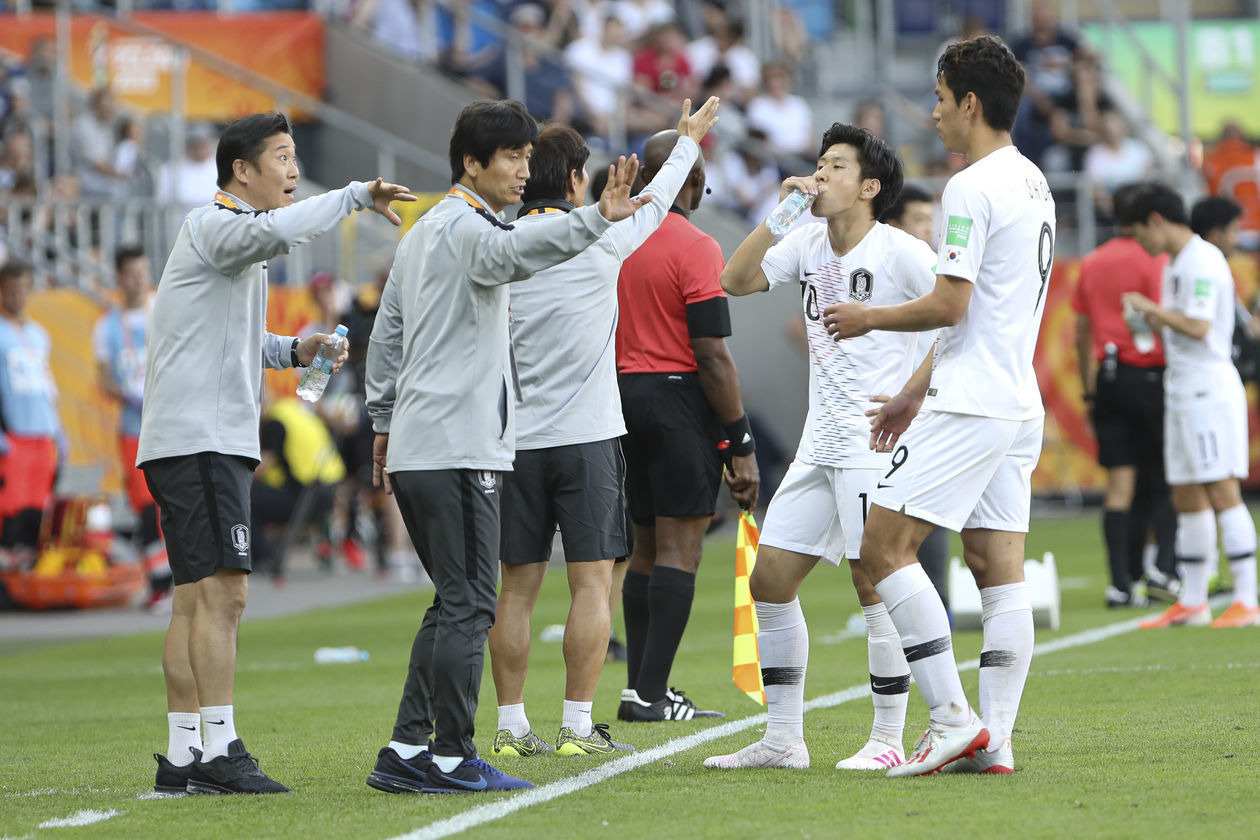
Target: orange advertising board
(285,47)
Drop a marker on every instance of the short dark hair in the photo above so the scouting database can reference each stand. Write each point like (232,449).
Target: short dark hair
(246,139)
(14,268)
(909,195)
(486,126)
(1152,197)
(558,151)
(1213,213)
(876,159)
(1120,200)
(127,253)
(986,67)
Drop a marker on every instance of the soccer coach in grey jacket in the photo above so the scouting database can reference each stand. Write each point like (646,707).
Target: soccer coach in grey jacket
(441,388)
(199,433)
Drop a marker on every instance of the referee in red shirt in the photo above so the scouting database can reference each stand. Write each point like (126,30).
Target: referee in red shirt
(1124,395)
(684,420)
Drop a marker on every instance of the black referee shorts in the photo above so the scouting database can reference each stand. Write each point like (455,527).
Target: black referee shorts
(1128,417)
(672,462)
(204,505)
(581,488)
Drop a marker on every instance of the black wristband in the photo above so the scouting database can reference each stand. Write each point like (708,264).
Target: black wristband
(739,440)
(293,356)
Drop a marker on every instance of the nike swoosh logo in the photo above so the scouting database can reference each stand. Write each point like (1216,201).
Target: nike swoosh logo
(881,486)
(189,728)
(810,273)
(883,685)
(480,784)
(216,722)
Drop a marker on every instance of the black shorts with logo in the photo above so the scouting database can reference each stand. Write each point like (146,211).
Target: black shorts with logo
(579,487)
(204,505)
(672,463)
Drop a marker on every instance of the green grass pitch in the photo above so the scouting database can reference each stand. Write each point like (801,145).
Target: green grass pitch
(1144,735)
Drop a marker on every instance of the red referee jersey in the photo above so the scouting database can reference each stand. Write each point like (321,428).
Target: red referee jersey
(678,265)
(1117,266)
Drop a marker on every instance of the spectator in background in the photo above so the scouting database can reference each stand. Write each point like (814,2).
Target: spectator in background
(598,65)
(1235,154)
(1076,124)
(725,45)
(1115,159)
(16,160)
(564,22)
(41,68)
(733,127)
(129,150)
(469,45)
(118,341)
(547,92)
(785,118)
(190,181)
(93,137)
(408,28)
(661,65)
(640,16)
(1046,53)
(870,114)
(746,180)
(31,441)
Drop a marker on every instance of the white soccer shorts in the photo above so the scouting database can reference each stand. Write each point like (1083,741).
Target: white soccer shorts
(963,471)
(1205,440)
(820,511)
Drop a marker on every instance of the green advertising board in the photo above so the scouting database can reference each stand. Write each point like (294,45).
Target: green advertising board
(1224,72)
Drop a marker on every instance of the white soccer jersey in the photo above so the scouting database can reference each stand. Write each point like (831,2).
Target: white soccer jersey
(887,267)
(999,236)
(1199,284)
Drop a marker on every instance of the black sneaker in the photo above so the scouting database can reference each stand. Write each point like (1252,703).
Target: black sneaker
(236,772)
(473,775)
(171,780)
(395,774)
(673,706)
(1162,587)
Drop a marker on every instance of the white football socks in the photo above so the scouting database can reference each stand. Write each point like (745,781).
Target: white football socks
(921,621)
(1004,657)
(512,718)
(220,730)
(1238,538)
(183,730)
(783,642)
(1196,550)
(890,675)
(577,716)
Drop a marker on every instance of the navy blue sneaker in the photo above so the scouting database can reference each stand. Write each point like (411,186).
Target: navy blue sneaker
(473,775)
(395,774)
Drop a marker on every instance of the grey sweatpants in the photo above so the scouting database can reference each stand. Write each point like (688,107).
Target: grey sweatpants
(452,517)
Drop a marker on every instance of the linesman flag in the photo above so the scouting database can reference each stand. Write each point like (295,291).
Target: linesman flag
(747,668)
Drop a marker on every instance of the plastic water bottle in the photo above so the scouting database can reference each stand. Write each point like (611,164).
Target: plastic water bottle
(315,380)
(790,209)
(1143,337)
(335,655)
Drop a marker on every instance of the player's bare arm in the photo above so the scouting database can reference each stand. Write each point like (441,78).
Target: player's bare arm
(383,194)
(743,274)
(1157,316)
(944,306)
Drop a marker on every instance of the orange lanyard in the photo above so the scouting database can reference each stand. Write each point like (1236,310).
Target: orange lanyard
(474,202)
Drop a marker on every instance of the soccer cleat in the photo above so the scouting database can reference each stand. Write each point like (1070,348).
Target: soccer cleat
(395,774)
(673,706)
(1162,587)
(599,741)
(1238,616)
(171,780)
(505,743)
(1177,615)
(1119,598)
(876,755)
(942,745)
(794,756)
(236,772)
(1001,760)
(472,775)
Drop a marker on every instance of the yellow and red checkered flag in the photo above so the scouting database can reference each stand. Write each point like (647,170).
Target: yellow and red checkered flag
(747,668)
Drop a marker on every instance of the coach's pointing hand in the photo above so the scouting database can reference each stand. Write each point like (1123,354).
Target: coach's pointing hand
(383,194)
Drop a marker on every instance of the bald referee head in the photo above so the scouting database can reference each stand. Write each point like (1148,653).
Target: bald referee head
(657,151)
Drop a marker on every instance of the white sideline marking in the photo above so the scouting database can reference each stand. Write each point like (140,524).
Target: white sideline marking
(496,810)
(80,818)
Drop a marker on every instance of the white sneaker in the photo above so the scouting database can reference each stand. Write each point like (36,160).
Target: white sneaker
(794,756)
(1001,760)
(876,755)
(941,745)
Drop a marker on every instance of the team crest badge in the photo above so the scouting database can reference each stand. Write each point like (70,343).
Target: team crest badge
(860,282)
(240,538)
(486,479)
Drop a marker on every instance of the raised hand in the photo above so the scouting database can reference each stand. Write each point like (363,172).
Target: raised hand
(615,202)
(383,194)
(698,124)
